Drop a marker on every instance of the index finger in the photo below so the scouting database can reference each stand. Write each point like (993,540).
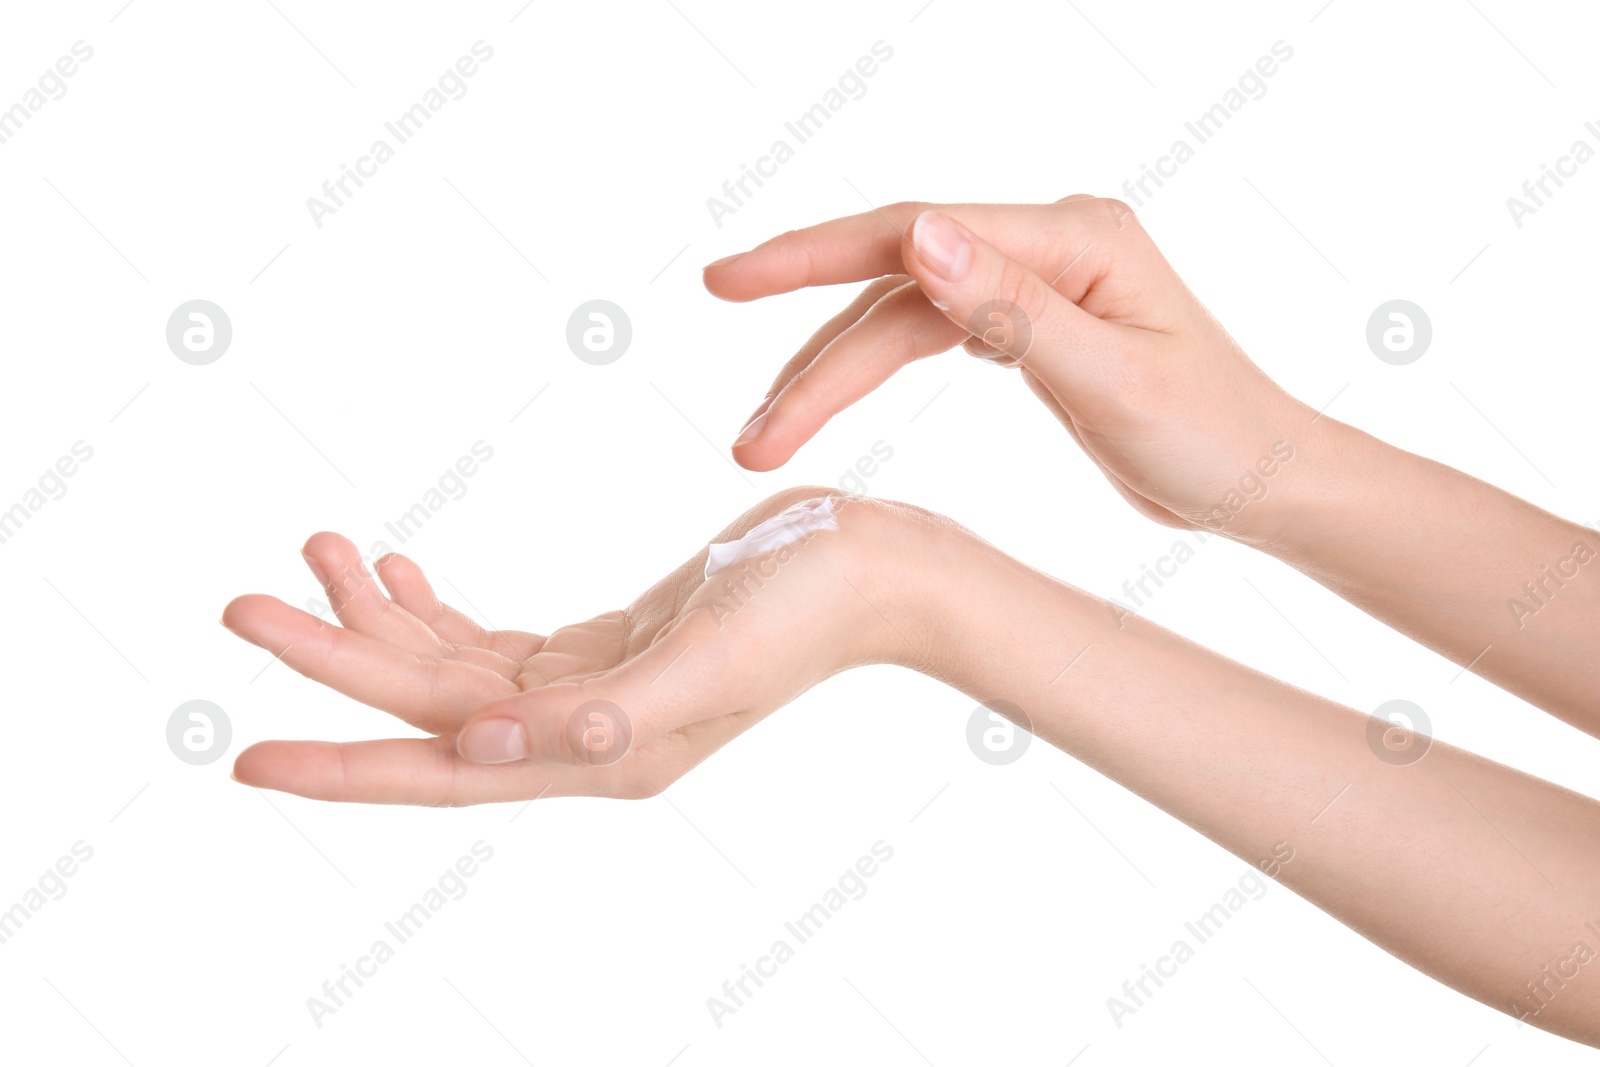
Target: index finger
(851,249)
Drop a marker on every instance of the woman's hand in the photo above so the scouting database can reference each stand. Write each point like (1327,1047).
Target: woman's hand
(1185,426)
(1074,293)
(621,705)
(624,704)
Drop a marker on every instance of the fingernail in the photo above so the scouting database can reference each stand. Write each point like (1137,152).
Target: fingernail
(316,570)
(493,741)
(724,261)
(941,243)
(752,431)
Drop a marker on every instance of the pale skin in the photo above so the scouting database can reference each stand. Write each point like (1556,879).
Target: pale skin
(1173,412)
(1258,766)
(689,667)
(1175,415)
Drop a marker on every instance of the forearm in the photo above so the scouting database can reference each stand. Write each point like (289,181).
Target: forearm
(1473,872)
(1465,568)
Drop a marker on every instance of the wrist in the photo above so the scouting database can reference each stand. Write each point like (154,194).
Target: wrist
(1327,484)
(898,560)
(1284,496)
(968,615)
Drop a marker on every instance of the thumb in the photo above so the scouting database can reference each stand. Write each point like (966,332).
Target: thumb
(1001,302)
(571,724)
(597,721)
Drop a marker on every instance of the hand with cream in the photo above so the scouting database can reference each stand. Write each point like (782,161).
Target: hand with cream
(621,705)
(807,585)
(1184,425)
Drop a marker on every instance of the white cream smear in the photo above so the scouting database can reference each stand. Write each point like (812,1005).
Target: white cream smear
(795,523)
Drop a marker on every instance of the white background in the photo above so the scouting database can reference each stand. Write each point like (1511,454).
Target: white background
(370,353)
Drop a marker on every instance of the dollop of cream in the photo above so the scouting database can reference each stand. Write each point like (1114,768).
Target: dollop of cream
(795,523)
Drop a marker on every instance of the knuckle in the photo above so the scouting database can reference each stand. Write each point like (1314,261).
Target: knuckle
(1122,218)
(1016,285)
(797,250)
